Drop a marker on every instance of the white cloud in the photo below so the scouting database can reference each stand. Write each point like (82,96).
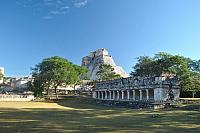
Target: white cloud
(80,3)
(52,8)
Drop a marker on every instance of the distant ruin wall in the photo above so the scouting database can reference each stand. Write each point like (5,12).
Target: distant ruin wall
(16,98)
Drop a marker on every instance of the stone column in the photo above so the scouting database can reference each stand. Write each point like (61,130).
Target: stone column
(117,95)
(94,94)
(140,95)
(98,97)
(133,95)
(128,95)
(113,95)
(102,95)
(122,95)
(147,92)
(110,95)
(105,94)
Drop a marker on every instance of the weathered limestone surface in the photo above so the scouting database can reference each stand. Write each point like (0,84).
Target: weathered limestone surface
(1,72)
(138,89)
(16,98)
(96,59)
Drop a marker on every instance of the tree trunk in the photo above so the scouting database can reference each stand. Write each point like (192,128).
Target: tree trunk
(56,93)
(171,94)
(48,93)
(193,94)
(74,88)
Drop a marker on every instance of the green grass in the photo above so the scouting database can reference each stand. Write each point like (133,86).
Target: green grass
(78,115)
(190,99)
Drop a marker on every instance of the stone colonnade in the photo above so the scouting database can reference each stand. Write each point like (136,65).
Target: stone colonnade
(124,95)
(138,89)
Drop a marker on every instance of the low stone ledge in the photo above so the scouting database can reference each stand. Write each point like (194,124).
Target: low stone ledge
(127,104)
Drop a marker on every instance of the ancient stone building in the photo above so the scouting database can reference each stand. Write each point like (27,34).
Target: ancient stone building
(151,89)
(1,72)
(96,59)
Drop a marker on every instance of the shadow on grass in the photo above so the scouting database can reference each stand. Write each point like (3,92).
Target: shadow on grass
(84,117)
(190,107)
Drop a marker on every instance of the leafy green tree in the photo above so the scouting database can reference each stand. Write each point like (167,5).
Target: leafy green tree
(52,73)
(79,75)
(106,72)
(1,76)
(191,82)
(37,87)
(144,66)
(159,64)
(163,63)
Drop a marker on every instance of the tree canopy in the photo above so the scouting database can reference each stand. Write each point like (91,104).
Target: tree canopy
(54,72)
(186,70)
(1,76)
(79,74)
(106,72)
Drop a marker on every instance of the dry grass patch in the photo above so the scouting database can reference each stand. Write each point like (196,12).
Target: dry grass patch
(77,115)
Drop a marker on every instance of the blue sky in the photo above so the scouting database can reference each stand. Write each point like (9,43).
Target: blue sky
(31,30)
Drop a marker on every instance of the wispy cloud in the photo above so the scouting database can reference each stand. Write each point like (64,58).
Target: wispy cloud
(80,3)
(52,8)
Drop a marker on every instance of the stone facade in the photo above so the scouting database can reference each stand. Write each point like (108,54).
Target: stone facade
(96,59)
(1,72)
(16,98)
(151,89)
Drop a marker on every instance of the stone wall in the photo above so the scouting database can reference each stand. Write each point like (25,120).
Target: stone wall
(1,72)
(17,98)
(138,89)
(138,82)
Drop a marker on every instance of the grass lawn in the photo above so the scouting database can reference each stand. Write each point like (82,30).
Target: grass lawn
(76,115)
(190,99)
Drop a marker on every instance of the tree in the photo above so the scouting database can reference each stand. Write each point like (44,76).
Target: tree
(159,64)
(143,67)
(185,69)
(147,66)
(191,82)
(79,75)
(51,73)
(1,76)
(37,87)
(106,72)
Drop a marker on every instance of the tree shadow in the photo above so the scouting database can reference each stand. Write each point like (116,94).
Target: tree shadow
(79,116)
